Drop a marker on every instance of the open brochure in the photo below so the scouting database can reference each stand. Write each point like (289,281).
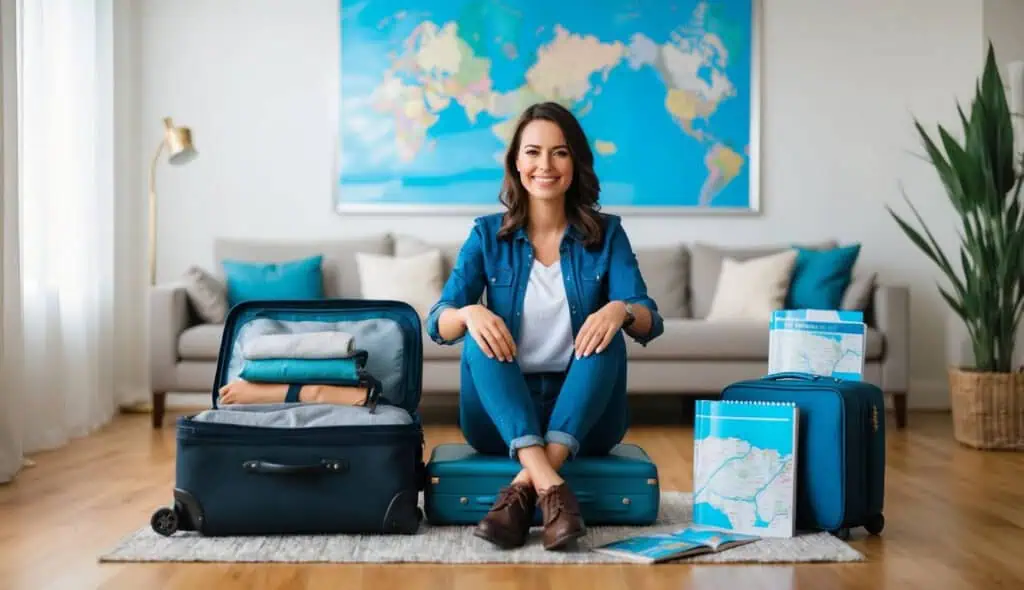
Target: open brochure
(687,542)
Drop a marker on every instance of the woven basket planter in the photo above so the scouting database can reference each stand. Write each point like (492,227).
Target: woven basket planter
(988,409)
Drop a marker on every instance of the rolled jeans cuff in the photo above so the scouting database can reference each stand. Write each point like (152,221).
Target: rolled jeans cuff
(564,438)
(529,440)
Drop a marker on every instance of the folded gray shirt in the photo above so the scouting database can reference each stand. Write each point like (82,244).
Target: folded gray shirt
(309,345)
(304,415)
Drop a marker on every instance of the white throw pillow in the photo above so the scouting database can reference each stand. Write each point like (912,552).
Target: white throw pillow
(752,289)
(415,279)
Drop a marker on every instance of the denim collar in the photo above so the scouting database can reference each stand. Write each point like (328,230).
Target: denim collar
(570,231)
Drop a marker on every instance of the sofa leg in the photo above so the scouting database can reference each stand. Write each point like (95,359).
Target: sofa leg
(899,406)
(159,403)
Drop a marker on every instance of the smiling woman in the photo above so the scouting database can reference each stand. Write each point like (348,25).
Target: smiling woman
(544,368)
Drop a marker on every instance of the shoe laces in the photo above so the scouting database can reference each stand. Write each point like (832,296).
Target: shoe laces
(553,501)
(514,494)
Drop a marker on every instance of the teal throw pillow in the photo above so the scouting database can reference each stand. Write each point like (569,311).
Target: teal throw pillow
(294,279)
(820,277)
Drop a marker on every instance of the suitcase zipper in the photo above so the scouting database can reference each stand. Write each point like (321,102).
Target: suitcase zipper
(323,435)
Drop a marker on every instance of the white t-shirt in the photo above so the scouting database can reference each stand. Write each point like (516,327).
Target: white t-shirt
(545,339)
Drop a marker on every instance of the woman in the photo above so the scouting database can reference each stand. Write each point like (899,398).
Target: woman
(544,370)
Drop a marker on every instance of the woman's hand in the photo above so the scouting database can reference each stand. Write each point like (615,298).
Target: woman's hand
(599,328)
(489,332)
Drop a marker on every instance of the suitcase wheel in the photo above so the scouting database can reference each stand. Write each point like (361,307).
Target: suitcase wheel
(875,524)
(164,521)
(842,534)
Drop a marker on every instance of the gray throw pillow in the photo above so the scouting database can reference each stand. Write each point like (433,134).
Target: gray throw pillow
(858,295)
(208,295)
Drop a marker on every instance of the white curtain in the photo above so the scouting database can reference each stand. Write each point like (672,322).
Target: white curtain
(59,360)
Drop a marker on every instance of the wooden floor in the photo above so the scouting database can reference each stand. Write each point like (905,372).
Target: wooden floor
(955,519)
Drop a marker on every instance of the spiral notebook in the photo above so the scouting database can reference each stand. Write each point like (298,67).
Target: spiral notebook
(744,467)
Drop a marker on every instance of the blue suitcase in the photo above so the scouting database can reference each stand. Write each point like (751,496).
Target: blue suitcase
(841,448)
(301,468)
(621,488)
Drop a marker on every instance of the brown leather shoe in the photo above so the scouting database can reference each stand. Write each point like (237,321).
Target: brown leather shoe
(562,519)
(507,524)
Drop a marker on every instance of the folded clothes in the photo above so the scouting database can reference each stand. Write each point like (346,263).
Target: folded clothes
(308,345)
(305,415)
(326,371)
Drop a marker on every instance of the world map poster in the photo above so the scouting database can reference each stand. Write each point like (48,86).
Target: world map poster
(430,93)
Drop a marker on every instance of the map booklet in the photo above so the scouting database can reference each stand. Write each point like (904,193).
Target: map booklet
(819,342)
(744,467)
(688,542)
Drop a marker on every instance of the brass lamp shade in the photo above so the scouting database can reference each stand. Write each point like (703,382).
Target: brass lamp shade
(179,143)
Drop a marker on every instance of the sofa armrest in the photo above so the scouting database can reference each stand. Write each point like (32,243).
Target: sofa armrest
(168,317)
(891,313)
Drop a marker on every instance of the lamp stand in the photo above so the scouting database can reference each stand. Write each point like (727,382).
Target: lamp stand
(152,212)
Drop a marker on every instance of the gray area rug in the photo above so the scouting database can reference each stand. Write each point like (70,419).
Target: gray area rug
(456,544)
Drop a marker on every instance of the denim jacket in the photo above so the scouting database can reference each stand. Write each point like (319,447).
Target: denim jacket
(593,277)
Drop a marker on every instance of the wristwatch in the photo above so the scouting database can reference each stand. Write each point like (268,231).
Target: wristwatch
(630,317)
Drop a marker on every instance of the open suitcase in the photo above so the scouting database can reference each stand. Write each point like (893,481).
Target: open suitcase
(840,448)
(618,489)
(300,468)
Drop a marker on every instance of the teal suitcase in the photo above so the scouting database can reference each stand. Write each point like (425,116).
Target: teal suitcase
(621,488)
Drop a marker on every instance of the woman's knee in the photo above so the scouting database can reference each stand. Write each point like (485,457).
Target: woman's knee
(615,351)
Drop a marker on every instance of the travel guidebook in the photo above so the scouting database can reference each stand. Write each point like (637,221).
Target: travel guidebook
(819,342)
(744,467)
(687,542)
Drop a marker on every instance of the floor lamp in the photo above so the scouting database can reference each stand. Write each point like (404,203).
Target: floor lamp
(178,143)
(180,150)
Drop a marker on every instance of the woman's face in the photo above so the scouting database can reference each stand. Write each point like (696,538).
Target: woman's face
(544,161)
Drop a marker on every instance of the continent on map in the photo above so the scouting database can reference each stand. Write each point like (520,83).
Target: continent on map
(723,164)
(564,66)
(751,486)
(407,105)
(605,148)
(437,67)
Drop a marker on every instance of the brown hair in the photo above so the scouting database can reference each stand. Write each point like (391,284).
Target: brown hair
(581,206)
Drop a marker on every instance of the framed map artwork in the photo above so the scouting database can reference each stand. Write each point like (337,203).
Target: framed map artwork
(430,91)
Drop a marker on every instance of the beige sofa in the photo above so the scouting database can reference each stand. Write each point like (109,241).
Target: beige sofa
(694,356)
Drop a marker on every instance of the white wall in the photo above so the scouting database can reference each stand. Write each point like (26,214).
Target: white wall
(255,79)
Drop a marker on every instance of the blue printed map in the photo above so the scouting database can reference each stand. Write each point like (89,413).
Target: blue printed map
(744,467)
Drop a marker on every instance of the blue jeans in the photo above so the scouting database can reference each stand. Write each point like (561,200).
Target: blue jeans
(501,409)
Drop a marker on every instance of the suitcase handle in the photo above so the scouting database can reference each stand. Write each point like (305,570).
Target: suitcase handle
(796,375)
(324,466)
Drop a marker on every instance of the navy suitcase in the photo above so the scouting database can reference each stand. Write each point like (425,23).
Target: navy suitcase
(301,468)
(841,447)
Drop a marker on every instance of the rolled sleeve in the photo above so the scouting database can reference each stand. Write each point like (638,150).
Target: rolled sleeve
(465,285)
(626,283)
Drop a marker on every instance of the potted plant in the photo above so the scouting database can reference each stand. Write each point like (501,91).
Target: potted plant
(982,178)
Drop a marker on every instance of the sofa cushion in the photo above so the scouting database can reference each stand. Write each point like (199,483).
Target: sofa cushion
(820,277)
(207,294)
(340,272)
(200,342)
(665,272)
(410,246)
(414,279)
(752,289)
(693,339)
(287,280)
(706,266)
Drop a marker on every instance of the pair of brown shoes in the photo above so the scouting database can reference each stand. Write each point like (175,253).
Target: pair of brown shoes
(507,524)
